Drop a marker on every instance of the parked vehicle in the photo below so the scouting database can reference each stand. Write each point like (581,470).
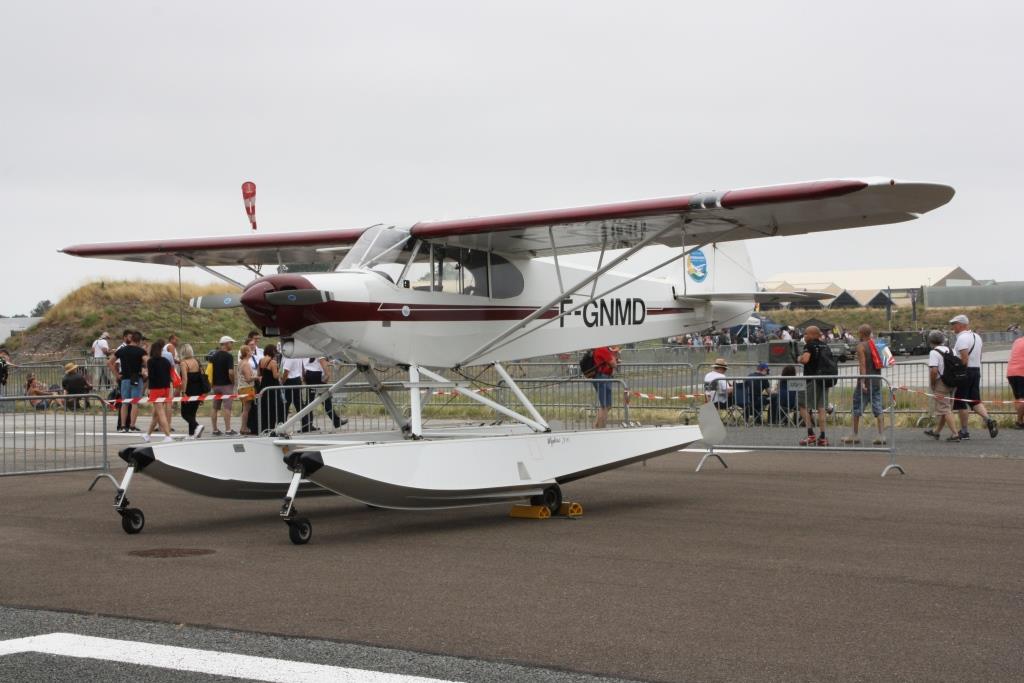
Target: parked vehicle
(906,343)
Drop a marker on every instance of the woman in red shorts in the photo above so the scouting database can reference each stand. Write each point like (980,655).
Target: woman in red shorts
(159,387)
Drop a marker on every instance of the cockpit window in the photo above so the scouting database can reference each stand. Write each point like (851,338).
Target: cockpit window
(378,246)
(456,270)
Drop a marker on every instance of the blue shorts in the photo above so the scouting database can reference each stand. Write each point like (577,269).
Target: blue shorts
(603,386)
(872,394)
(129,390)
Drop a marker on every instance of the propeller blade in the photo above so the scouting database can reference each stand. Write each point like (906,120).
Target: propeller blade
(216,301)
(299,297)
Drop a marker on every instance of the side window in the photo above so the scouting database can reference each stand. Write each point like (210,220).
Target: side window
(419,275)
(455,270)
(506,280)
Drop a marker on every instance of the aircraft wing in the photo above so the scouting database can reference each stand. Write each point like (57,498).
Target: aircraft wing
(792,209)
(235,250)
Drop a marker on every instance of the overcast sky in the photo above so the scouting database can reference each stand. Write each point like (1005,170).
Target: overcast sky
(138,120)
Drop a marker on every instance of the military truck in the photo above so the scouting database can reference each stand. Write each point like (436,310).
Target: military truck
(906,343)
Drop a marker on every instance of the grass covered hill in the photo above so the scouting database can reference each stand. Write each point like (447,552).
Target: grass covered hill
(155,308)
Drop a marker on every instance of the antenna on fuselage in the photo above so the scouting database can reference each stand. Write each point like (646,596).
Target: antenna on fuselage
(249,199)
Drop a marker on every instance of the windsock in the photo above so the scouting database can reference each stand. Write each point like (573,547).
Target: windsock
(249,197)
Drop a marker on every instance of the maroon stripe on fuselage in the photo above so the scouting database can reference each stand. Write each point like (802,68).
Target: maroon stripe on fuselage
(351,311)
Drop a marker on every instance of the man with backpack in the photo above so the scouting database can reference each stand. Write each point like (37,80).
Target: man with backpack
(817,359)
(942,373)
(968,395)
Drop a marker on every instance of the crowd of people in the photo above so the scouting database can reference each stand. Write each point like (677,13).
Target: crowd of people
(951,393)
(162,369)
(713,340)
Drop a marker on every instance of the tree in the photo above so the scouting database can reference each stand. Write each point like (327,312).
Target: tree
(41,308)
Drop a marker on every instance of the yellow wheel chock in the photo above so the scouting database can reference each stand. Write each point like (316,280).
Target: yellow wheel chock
(530,511)
(542,512)
(571,510)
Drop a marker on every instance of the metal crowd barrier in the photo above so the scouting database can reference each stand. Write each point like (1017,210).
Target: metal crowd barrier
(53,434)
(764,414)
(566,403)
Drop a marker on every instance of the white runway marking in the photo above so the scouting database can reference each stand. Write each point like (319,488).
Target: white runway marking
(200,661)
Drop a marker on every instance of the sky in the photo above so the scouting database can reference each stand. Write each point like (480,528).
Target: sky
(140,120)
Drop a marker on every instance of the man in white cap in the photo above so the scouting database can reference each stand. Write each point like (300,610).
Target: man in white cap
(223,383)
(968,397)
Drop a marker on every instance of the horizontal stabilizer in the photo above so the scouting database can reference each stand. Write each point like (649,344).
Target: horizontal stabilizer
(755,297)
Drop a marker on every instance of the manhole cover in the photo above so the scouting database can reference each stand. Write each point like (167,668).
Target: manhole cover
(172,552)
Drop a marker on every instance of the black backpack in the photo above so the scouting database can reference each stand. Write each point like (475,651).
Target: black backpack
(954,372)
(588,368)
(825,364)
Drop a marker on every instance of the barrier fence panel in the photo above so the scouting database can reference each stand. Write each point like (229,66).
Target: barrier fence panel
(52,434)
(566,403)
(771,412)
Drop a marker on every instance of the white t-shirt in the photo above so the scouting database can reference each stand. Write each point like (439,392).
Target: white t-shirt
(100,348)
(311,365)
(964,341)
(716,387)
(786,335)
(935,359)
(293,366)
(171,356)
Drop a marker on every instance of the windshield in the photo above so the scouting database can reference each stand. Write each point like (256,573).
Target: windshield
(377,246)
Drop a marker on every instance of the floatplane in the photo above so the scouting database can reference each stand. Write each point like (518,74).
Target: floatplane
(441,295)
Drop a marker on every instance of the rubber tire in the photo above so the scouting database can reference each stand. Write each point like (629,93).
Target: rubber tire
(132,520)
(300,530)
(551,499)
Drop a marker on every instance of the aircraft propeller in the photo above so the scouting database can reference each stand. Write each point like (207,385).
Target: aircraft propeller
(216,301)
(287,297)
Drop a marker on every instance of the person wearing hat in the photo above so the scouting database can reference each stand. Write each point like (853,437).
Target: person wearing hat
(74,382)
(968,397)
(717,389)
(100,351)
(223,362)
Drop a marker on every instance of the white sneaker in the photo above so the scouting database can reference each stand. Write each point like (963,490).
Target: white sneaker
(145,437)
(199,431)
(168,439)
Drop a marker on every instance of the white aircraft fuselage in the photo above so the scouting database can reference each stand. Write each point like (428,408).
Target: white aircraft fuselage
(376,317)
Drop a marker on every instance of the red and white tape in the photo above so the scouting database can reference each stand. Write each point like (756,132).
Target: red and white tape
(178,399)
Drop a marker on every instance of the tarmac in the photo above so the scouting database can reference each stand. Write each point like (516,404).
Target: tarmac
(788,565)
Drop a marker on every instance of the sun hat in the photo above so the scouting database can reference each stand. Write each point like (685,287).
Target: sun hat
(720,363)
(226,340)
(962,319)
(70,367)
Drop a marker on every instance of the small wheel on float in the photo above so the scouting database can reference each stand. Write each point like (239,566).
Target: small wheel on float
(551,498)
(132,520)
(300,530)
